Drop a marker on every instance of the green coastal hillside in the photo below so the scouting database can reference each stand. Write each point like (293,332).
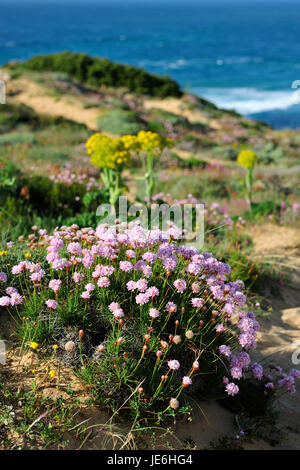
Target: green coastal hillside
(95,71)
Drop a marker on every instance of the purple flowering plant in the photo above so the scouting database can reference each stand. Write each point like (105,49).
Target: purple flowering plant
(160,321)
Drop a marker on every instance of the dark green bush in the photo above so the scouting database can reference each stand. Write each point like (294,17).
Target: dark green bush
(96,72)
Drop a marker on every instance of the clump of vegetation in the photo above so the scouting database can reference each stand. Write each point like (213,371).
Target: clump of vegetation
(114,154)
(119,122)
(145,321)
(96,72)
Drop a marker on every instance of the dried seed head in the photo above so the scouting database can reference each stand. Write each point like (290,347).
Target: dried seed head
(189,334)
(70,346)
(177,339)
(174,403)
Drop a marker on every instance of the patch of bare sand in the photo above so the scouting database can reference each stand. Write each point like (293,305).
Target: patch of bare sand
(281,332)
(177,106)
(35,96)
(278,239)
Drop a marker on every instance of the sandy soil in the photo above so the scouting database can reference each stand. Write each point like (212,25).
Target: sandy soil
(177,106)
(279,338)
(35,96)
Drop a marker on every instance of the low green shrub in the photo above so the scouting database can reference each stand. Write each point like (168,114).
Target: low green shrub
(17,138)
(120,122)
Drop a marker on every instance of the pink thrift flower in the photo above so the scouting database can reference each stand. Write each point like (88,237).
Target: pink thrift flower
(77,277)
(130,254)
(225,350)
(55,285)
(126,266)
(17,269)
(103,282)
(142,285)
(196,288)
(52,304)
(11,290)
(197,302)
(114,306)
(232,389)
(5,301)
(131,285)
(170,263)
(16,299)
(118,313)
(146,270)
(180,285)
(220,328)
(85,295)
(154,313)
(269,385)
(149,257)
(142,298)
(171,307)
(89,287)
(173,364)
(152,292)
(74,248)
(186,381)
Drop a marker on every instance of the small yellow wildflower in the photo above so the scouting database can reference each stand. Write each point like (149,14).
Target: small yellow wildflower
(27,255)
(247,158)
(3,253)
(55,346)
(52,373)
(34,345)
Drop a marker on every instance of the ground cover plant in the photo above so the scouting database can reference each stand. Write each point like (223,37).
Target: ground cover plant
(159,334)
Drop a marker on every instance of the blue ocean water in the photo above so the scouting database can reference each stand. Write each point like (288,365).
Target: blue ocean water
(239,54)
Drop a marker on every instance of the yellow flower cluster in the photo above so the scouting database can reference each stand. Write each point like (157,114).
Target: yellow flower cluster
(3,253)
(107,152)
(247,158)
(150,141)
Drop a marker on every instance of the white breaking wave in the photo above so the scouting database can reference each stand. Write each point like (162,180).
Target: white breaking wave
(248,100)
